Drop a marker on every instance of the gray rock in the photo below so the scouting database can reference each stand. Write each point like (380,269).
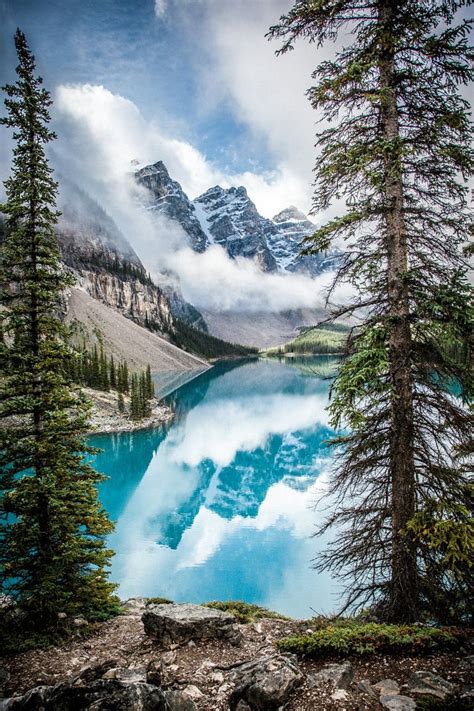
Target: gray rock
(177,701)
(427,683)
(265,683)
(366,687)
(467,664)
(397,702)
(170,624)
(467,693)
(192,692)
(339,675)
(4,676)
(135,604)
(100,695)
(154,672)
(387,687)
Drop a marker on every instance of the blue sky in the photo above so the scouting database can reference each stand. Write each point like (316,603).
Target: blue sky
(199,71)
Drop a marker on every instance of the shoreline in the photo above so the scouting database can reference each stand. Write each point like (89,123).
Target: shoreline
(105,418)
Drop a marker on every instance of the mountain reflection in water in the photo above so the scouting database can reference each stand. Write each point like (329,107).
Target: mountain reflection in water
(219,504)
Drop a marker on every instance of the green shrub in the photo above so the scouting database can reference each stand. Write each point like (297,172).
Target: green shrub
(244,611)
(159,601)
(352,637)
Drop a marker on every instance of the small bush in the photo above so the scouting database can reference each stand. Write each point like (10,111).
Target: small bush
(158,601)
(451,703)
(352,637)
(244,611)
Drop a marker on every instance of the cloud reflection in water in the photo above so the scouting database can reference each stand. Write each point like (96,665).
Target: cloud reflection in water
(224,505)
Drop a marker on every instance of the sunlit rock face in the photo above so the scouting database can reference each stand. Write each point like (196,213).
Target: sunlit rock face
(144,303)
(233,221)
(166,197)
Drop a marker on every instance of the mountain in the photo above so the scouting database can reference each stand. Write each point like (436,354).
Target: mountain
(104,263)
(229,218)
(286,241)
(165,196)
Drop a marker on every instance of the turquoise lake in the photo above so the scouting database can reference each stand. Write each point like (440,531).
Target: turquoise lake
(219,504)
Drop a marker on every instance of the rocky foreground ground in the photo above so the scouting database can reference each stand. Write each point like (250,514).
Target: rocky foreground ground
(192,658)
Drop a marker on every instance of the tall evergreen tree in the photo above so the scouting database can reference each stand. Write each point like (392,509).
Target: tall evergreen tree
(52,530)
(150,388)
(397,148)
(135,399)
(113,374)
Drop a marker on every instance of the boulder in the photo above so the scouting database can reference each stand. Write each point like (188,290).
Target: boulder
(397,702)
(192,692)
(177,701)
(154,672)
(265,683)
(426,683)
(178,624)
(339,675)
(101,695)
(366,687)
(387,687)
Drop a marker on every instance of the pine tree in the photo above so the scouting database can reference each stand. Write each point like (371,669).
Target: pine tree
(121,403)
(52,534)
(135,400)
(113,374)
(397,148)
(149,384)
(145,409)
(125,378)
(104,371)
(95,375)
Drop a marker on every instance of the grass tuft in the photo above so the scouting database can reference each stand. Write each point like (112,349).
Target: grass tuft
(244,612)
(159,601)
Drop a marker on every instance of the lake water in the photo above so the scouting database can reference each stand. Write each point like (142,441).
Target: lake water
(219,505)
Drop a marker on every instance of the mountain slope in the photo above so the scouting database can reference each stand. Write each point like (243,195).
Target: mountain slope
(123,338)
(260,329)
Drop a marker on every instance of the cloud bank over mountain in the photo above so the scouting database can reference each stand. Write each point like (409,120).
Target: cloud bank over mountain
(104,137)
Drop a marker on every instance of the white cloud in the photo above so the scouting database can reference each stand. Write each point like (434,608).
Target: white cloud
(160,8)
(115,132)
(102,133)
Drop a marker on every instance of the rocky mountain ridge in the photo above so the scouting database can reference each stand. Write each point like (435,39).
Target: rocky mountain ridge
(229,218)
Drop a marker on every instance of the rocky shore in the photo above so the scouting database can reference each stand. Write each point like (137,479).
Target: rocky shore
(105,416)
(193,658)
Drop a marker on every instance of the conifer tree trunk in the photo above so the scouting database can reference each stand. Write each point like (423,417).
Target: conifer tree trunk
(403,596)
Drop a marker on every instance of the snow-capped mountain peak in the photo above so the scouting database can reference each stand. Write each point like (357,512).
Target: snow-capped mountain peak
(229,218)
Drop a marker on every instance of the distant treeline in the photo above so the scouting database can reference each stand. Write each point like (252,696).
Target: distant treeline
(120,267)
(325,339)
(94,369)
(203,344)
